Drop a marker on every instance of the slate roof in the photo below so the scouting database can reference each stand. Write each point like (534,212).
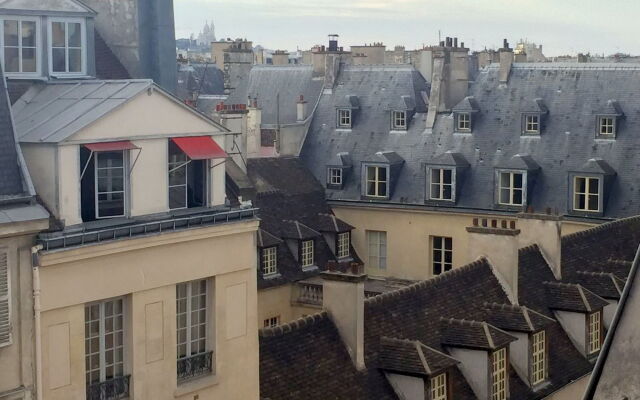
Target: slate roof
(300,359)
(11,184)
(473,335)
(412,357)
(572,297)
(292,205)
(108,66)
(605,285)
(291,81)
(573,94)
(206,79)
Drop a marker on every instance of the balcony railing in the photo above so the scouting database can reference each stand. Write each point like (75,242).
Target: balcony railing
(112,389)
(60,240)
(196,365)
(310,294)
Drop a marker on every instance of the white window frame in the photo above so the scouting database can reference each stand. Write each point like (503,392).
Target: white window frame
(464,122)
(377,249)
(189,323)
(271,322)
(343,241)
(83,44)
(586,193)
(512,188)
(594,333)
(531,123)
(439,387)
(5,281)
(377,181)
(499,381)
(306,253)
(102,338)
(125,184)
(269,260)
(440,186)
(538,357)
(334,176)
(399,119)
(344,118)
(174,166)
(604,125)
(38,72)
(442,251)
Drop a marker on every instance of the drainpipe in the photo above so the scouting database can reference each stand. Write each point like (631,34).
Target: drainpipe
(36,309)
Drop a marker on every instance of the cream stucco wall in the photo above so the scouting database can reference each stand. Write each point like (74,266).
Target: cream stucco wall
(149,121)
(145,271)
(279,301)
(571,391)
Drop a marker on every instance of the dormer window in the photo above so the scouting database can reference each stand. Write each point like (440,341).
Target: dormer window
(607,126)
(586,194)
(511,190)
(269,261)
(399,120)
(334,176)
(377,181)
(439,387)
(442,185)
(499,374)
(538,357)
(20,38)
(67,42)
(532,124)
(344,118)
(343,243)
(594,332)
(464,122)
(607,119)
(187,179)
(306,253)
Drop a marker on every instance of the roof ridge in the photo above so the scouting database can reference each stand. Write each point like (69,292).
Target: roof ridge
(422,357)
(527,319)
(488,335)
(584,298)
(420,285)
(572,236)
(294,325)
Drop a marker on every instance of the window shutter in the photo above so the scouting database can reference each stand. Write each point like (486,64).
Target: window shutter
(5,314)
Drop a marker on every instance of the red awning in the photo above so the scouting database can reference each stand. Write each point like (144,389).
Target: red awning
(111,146)
(200,147)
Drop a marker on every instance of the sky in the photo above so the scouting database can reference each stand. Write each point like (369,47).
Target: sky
(561,26)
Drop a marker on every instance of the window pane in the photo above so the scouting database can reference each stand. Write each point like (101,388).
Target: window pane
(517,196)
(580,201)
(517,180)
(447,173)
(29,60)
(10,33)
(593,185)
(593,203)
(57,34)
(505,179)
(382,189)
(58,61)
(74,34)
(110,204)
(11,61)
(504,196)
(75,60)
(446,192)
(28,34)
(435,176)
(382,174)
(580,185)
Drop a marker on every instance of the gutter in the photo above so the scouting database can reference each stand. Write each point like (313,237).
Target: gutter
(36,309)
(604,352)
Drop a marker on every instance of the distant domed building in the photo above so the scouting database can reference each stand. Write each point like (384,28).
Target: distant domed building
(207,35)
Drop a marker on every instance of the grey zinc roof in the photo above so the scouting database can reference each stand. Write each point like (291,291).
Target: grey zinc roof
(265,82)
(64,6)
(573,95)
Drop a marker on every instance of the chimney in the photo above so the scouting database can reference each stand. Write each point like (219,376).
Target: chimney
(280,57)
(343,299)
(545,231)
(506,59)
(455,42)
(333,42)
(301,108)
(497,239)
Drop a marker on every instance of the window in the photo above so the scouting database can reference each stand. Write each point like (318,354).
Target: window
(344,118)
(538,357)
(20,45)
(499,374)
(399,120)
(306,253)
(593,329)
(464,122)
(439,387)
(606,126)
(531,124)
(376,184)
(104,341)
(377,244)
(110,184)
(334,176)
(586,194)
(272,322)
(344,240)
(442,254)
(191,328)
(269,261)
(441,184)
(67,43)
(511,190)
(187,180)
(5,304)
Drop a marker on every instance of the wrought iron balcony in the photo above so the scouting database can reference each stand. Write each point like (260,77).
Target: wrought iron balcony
(196,365)
(112,389)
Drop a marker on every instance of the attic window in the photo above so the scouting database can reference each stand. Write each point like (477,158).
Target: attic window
(464,122)
(442,184)
(511,190)
(269,260)
(439,387)
(594,330)
(67,43)
(586,194)
(21,45)
(334,176)
(306,253)
(377,181)
(344,118)
(531,124)
(399,119)
(342,246)
(499,374)
(607,126)
(538,357)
